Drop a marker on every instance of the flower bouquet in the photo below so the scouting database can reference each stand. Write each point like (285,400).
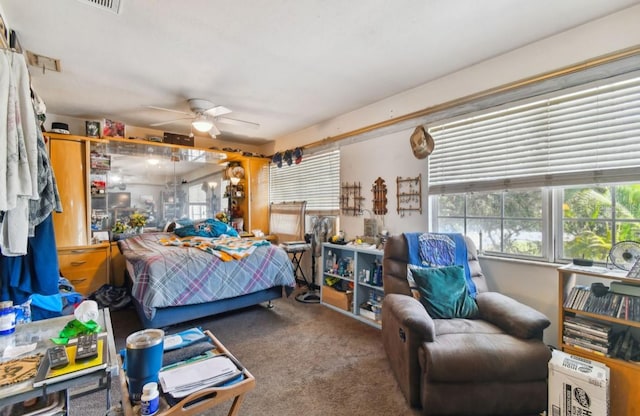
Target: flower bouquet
(137,222)
(119,227)
(223,217)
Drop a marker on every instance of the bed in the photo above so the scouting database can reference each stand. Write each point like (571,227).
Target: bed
(174,284)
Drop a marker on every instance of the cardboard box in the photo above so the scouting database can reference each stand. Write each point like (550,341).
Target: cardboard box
(577,386)
(180,139)
(336,298)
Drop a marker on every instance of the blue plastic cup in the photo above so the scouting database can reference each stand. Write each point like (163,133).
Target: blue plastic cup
(143,360)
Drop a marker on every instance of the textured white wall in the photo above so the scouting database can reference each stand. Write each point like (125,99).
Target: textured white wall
(389,155)
(612,33)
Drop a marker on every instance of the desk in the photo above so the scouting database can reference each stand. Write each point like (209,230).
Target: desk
(40,333)
(199,401)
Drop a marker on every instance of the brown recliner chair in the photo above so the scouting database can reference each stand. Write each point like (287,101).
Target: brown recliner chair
(493,365)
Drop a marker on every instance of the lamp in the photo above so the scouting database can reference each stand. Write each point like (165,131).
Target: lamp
(202,123)
(234,180)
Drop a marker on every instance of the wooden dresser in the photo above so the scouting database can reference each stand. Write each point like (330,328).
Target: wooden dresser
(85,265)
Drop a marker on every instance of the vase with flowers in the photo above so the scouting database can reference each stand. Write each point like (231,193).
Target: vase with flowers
(223,217)
(119,229)
(137,222)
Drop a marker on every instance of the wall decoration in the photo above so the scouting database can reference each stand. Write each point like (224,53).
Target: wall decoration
(92,128)
(379,197)
(422,143)
(351,199)
(112,128)
(409,194)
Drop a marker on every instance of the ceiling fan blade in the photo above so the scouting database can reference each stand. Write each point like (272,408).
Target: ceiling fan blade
(162,123)
(169,109)
(236,122)
(213,132)
(217,111)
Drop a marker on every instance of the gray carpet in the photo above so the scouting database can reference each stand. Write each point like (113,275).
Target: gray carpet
(307,360)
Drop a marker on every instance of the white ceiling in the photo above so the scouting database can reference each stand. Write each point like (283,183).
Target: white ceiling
(285,64)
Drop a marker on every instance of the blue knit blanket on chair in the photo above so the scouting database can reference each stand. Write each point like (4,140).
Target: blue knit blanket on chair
(439,250)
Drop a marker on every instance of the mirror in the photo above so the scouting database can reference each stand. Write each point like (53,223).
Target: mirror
(162,183)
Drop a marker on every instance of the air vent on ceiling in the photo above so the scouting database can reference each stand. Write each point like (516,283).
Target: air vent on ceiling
(111,5)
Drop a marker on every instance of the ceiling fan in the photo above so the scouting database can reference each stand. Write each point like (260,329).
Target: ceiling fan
(203,115)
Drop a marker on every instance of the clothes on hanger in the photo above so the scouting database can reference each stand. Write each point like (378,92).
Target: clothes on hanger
(28,191)
(19,168)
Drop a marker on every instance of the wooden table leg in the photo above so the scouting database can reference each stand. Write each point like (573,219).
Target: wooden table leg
(235,406)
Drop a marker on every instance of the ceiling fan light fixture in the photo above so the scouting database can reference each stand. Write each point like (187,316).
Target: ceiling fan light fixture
(202,123)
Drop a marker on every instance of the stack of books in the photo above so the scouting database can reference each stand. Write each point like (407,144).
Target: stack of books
(587,334)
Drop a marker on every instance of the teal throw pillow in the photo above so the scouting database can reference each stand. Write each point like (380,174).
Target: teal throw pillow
(444,292)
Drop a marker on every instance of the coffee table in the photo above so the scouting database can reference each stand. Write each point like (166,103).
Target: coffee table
(202,400)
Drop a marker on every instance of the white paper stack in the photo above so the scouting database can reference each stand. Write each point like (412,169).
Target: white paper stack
(183,380)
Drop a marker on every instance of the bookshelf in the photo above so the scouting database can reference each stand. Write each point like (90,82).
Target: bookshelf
(609,318)
(359,271)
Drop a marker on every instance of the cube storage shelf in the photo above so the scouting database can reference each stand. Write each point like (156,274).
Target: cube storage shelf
(360,271)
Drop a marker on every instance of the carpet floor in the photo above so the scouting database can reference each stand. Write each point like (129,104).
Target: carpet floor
(307,360)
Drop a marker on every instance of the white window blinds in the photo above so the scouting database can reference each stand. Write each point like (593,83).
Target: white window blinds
(315,180)
(587,136)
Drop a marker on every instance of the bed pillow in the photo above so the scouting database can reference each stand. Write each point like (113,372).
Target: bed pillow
(444,292)
(206,228)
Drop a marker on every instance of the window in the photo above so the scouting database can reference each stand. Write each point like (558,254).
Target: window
(315,180)
(198,201)
(563,168)
(498,222)
(595,217)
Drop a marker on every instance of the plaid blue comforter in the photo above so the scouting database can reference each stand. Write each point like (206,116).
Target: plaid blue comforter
(173,276)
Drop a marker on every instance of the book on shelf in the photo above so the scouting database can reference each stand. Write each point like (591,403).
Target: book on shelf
(625,288)
(572,299)
(590,325)
(580,347)
(604,339)
(611,304)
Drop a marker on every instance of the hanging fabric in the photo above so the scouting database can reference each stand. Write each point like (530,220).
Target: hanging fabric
(28,191)
(20,140)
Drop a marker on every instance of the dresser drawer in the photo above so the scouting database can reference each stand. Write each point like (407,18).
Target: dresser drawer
(86,268)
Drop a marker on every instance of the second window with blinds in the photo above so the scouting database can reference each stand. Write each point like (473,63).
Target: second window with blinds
(551,179)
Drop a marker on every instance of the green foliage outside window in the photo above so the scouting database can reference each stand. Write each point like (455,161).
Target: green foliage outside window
(592,218)
(595,218)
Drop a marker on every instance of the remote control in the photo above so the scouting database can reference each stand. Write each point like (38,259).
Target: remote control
(87,347)
(58,357)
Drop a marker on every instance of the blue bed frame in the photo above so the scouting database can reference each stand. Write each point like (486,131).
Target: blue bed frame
(177,314)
